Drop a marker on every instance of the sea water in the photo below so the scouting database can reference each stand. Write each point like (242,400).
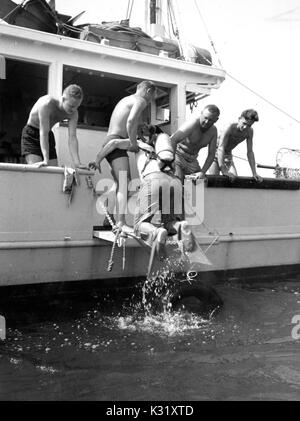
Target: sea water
(101,345)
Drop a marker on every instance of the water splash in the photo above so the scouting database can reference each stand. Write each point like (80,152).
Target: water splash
(163,324)
(155,314)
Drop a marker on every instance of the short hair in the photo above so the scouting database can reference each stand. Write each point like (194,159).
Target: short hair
(146,84)
(154,129)
(250,115)
(73,91)
(213,109)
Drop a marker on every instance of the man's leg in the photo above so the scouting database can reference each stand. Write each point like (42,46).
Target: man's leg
(155,236)
(179,172)
(121,173)
(232,168)
(214,169)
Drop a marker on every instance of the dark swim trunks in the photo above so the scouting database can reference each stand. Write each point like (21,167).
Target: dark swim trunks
(30,142)
(117,153)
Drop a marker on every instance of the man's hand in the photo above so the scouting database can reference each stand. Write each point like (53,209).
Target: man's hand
(133,148)
(258,178)
(196,176)
(145,146)
(40,164)
(95,166)
(82,166)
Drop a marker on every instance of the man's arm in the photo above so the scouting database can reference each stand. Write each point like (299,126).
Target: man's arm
(212,146)
(44,117)
(224,138)
(73,141)
(133,120)
(183,132)
(250,156)
(107,149)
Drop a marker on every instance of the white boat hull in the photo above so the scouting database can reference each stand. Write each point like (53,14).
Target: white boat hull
(244,229)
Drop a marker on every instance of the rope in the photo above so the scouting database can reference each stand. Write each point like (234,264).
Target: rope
(172,18)
(238,157)
(127,12)
(124,253)
(117,231)
(235,79)
(129,15)
(175,28)
(111,261)
(113,225)
(208,34)
(13,10)
(263,98)
(191,275)
(212,243)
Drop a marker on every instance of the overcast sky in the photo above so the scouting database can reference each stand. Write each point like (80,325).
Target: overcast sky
(257,43)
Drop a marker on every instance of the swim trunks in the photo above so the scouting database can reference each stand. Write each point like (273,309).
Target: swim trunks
(117,153)
(187,162)
(30,142)
(228,160)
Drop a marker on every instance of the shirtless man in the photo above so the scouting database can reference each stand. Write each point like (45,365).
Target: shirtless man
(37,142)
(234,134)
(123,124)
(193,135)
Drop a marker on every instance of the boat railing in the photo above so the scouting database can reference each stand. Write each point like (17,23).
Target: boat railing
(31,168)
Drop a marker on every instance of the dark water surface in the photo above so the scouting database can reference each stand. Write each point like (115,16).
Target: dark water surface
(102,346)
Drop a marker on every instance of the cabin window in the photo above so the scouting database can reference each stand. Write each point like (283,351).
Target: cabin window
(23,84)
(162,106)
(102,91)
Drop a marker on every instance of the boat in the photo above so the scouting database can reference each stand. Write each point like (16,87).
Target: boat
(48,237)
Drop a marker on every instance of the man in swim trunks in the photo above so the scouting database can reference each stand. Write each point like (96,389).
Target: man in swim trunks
(232,136)
(123,124)
(124,144)
(37,142)
(193,135)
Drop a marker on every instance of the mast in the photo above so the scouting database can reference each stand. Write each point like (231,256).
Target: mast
(155,12)
(152,12)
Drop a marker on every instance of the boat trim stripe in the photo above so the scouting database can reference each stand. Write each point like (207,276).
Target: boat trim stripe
(100,243)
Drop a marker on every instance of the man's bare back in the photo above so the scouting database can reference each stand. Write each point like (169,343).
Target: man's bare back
(52,107)
(119,119)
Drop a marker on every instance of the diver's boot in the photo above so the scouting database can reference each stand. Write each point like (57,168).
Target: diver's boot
(160,240)
(187,237)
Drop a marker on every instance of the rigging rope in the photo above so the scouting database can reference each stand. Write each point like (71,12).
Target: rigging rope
(175,28)
(131,9)
(13,10)
(127,12)
(234,78)
(208,34)
(263,98)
